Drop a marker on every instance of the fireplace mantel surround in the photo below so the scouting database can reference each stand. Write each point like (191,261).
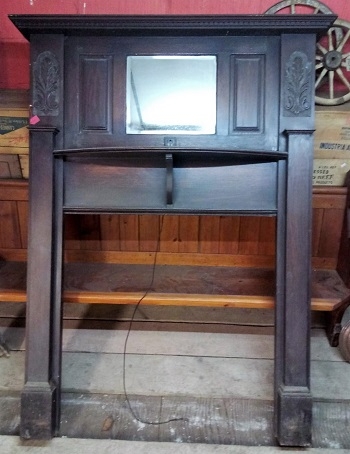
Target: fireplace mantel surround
(94,148)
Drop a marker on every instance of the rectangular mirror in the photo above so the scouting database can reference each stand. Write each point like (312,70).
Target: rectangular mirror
(171,94)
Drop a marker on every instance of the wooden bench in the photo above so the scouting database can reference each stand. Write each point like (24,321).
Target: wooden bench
(211,261)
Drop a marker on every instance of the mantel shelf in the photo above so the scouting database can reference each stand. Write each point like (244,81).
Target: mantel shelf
(170,24)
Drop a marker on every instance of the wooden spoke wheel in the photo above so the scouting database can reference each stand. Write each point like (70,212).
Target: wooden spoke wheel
(332,86)
(333,66)
(299,7)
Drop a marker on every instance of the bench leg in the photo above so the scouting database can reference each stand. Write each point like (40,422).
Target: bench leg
(333,323)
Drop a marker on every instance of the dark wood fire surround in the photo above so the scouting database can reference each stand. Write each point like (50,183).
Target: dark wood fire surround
(259,162)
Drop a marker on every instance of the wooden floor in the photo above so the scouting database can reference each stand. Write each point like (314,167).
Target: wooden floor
(220,385)
(210,367)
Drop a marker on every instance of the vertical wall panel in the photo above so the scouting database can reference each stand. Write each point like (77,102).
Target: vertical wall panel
(71,232)
(89,232)
(9,230)
(129,232)
(169,238)
(209,234)
(149,232)
(267,236)
(229,234)
(317,217)
(22,209)
(330,233)
(110,232)
(247,77)
(249,235)
(188,233)
(95,93)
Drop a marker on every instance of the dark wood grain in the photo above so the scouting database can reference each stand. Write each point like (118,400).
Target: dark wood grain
(248,74)
(96,93)
(260,166)
(157,24)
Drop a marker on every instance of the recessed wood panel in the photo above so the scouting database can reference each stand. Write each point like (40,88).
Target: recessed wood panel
(247,81)
(225,187)
(95,93)
(125,184)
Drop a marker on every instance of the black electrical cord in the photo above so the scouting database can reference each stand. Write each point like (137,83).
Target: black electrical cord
(132,411)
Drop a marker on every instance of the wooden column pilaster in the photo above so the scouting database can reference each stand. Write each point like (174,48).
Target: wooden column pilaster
(39,398)
(292,359)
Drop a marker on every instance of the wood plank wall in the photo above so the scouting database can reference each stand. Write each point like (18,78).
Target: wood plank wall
(216,240)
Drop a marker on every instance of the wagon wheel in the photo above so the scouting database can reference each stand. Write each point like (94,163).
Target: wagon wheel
(303,7)
(332,55)
(333,66)
(299,6)
(344,342)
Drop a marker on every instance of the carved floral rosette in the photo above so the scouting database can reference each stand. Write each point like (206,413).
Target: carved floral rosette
(298,86)
(46,76)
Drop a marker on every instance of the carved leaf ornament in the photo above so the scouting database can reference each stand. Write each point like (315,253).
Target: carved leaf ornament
(46,75)
(297,100)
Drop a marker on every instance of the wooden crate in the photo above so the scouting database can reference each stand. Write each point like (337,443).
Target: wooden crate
(331,146)
(14,134)
(10,166)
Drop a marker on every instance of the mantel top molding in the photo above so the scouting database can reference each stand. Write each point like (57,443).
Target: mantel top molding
(161,25)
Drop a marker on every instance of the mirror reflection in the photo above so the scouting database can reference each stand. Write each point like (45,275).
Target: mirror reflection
(171,94)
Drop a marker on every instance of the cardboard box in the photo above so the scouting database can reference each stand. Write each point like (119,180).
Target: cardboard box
(24,163)
(332,135)
(14,135)
(10,166)
(330,172)
(331,145)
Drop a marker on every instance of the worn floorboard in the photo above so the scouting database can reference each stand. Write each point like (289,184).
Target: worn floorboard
(219,386)
(227,421)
